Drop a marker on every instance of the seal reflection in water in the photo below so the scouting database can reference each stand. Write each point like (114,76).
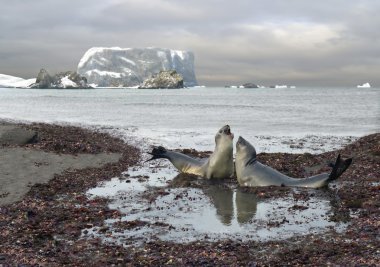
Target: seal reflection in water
(223,200)
(252,173)
(229,203)
(219,165)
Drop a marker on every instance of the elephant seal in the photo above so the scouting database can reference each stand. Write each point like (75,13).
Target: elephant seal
(219,165)
(252,173)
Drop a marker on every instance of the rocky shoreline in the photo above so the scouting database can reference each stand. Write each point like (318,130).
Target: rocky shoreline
(44,228)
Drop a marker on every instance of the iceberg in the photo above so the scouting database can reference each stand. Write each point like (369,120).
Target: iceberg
(129,67)
(364,85)
(15,82)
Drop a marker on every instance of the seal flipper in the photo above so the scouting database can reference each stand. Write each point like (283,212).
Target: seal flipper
(339,168)
(158,153)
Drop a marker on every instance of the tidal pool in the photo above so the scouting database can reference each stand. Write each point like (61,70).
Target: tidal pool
(157,203)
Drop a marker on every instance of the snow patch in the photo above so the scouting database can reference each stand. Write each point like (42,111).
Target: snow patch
(180,54)
(66,82)
(16,82)
(129,71)
(128,60)
(162,55)
(105,73)
(9,78)
(94,50)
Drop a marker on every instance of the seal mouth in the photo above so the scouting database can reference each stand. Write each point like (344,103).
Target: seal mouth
(228,132)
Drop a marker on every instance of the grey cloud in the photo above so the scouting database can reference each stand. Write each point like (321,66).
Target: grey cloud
(335,42)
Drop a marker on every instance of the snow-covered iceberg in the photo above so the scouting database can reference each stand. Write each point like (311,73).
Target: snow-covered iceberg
(129,67)
(364,85)
(15,82)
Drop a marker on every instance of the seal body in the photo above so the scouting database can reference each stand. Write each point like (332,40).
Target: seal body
(219,165)
(252,173)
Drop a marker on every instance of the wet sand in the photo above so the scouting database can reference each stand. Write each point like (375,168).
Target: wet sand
(23,167)
(45,226)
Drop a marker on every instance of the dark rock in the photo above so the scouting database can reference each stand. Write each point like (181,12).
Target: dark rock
(250,85)
(67,79)
(72,76)
(164,79)
(44,80)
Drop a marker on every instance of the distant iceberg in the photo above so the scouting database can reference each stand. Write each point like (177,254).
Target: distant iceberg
(280,86)
(15,82)
(128,67)
(364,85)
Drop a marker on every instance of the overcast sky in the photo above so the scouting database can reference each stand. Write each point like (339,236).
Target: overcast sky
(294,42)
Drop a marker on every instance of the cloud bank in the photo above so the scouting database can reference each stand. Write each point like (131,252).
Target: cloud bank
(296,42)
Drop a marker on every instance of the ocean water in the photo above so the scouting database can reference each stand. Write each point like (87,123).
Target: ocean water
(287,120)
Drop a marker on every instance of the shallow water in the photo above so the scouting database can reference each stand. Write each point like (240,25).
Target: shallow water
(206,212)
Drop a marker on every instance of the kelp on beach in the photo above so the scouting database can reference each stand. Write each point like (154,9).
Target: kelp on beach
(45,227)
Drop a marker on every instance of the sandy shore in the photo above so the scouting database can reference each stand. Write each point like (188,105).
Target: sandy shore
(23,167)
(44,226)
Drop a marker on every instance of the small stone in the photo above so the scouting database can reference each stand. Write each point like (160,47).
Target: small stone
(103,229)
